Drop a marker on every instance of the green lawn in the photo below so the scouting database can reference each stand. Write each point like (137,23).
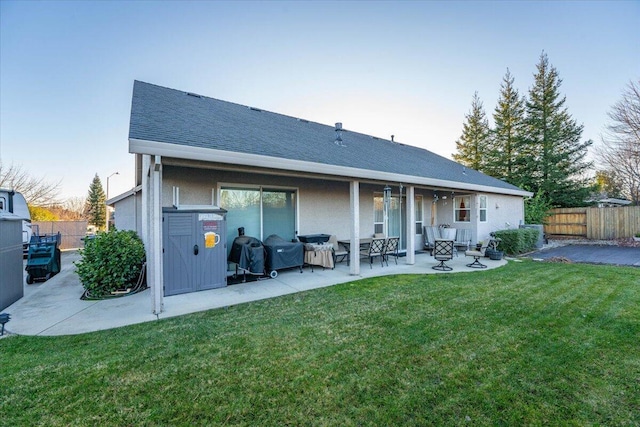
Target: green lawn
(528,344)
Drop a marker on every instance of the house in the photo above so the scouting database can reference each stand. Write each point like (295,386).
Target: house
(276,174)
(610,202)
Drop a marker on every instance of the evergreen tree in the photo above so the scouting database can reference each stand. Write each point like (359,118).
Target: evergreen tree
(96,209)
(555,156)
(475,140)
(504,158)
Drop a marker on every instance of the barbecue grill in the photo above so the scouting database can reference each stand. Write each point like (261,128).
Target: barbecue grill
(282,254)
(248,254)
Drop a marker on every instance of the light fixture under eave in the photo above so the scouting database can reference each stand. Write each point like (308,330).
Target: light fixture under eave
(386,192)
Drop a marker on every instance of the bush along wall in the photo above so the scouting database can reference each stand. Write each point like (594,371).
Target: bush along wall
(517,241)
(110,262)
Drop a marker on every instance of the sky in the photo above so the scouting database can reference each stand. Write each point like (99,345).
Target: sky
(408,69)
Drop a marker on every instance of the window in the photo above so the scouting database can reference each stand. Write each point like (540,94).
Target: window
(418,204)
(1,203)
(260,211)
(378,214)
(462,209)
(483,208)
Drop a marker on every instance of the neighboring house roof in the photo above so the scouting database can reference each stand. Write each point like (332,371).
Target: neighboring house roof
(173,123)
(612,202)
(120,197)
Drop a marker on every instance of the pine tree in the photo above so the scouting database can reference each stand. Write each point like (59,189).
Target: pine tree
(96,209)
(475,140)
(556,157)
(504,158)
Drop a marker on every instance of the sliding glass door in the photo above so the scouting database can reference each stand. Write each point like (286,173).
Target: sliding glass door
(261,211)
(279,213)
(392,222)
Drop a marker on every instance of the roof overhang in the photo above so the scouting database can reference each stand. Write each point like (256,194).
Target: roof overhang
(123,196)
(164,149)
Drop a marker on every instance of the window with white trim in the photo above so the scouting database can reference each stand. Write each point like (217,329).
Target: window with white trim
(462,209)
(483,208)
(418,205)
(378,214)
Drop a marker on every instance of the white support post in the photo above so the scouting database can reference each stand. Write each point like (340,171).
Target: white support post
(354,255)
(154,262)
(411,226)
(145,220)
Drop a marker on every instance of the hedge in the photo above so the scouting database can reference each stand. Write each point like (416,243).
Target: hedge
(110,262)
(517,241)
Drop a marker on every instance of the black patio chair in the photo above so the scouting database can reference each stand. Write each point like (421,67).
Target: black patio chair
(443,251)
(391,249)
(375,249)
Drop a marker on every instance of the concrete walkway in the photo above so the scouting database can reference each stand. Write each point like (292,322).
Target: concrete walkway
(54,307)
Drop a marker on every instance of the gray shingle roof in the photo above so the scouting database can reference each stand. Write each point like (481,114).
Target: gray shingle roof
(171,116)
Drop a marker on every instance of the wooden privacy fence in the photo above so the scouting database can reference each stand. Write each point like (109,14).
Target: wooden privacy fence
(594,223)
(72,232)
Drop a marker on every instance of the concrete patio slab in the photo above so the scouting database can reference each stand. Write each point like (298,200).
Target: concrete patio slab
(54,307)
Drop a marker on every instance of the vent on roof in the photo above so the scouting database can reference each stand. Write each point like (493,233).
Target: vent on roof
(255,109)
(195,95)
(392,136)
(303,120)
(338,140)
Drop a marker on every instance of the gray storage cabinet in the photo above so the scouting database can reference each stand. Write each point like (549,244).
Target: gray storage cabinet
(194,249)
(11,286)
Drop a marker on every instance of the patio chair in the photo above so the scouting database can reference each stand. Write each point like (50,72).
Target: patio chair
(376,248)
(477,254)
(391,248)
(463,240)
(443,251)
(340,253)
(430,235)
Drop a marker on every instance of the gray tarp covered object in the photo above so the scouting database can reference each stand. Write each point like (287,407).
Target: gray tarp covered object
(248,253)
(283,254)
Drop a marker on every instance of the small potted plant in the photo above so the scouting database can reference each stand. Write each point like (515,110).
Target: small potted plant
(493,251)
(637,237)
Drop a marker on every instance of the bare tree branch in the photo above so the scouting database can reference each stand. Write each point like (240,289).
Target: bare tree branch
(620,150)
(37,191)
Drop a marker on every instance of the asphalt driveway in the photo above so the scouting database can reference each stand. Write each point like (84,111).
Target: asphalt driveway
(593,254)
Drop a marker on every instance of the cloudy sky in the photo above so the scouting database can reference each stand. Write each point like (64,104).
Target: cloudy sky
(404,68)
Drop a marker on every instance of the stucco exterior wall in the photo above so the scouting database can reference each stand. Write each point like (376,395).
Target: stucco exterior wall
(503,212)
(323,205)
(127,214)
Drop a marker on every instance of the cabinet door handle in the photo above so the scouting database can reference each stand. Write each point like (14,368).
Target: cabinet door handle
(195,249)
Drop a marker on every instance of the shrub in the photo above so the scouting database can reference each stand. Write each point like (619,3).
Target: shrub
(518,240)
(110,262)
(536,209)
